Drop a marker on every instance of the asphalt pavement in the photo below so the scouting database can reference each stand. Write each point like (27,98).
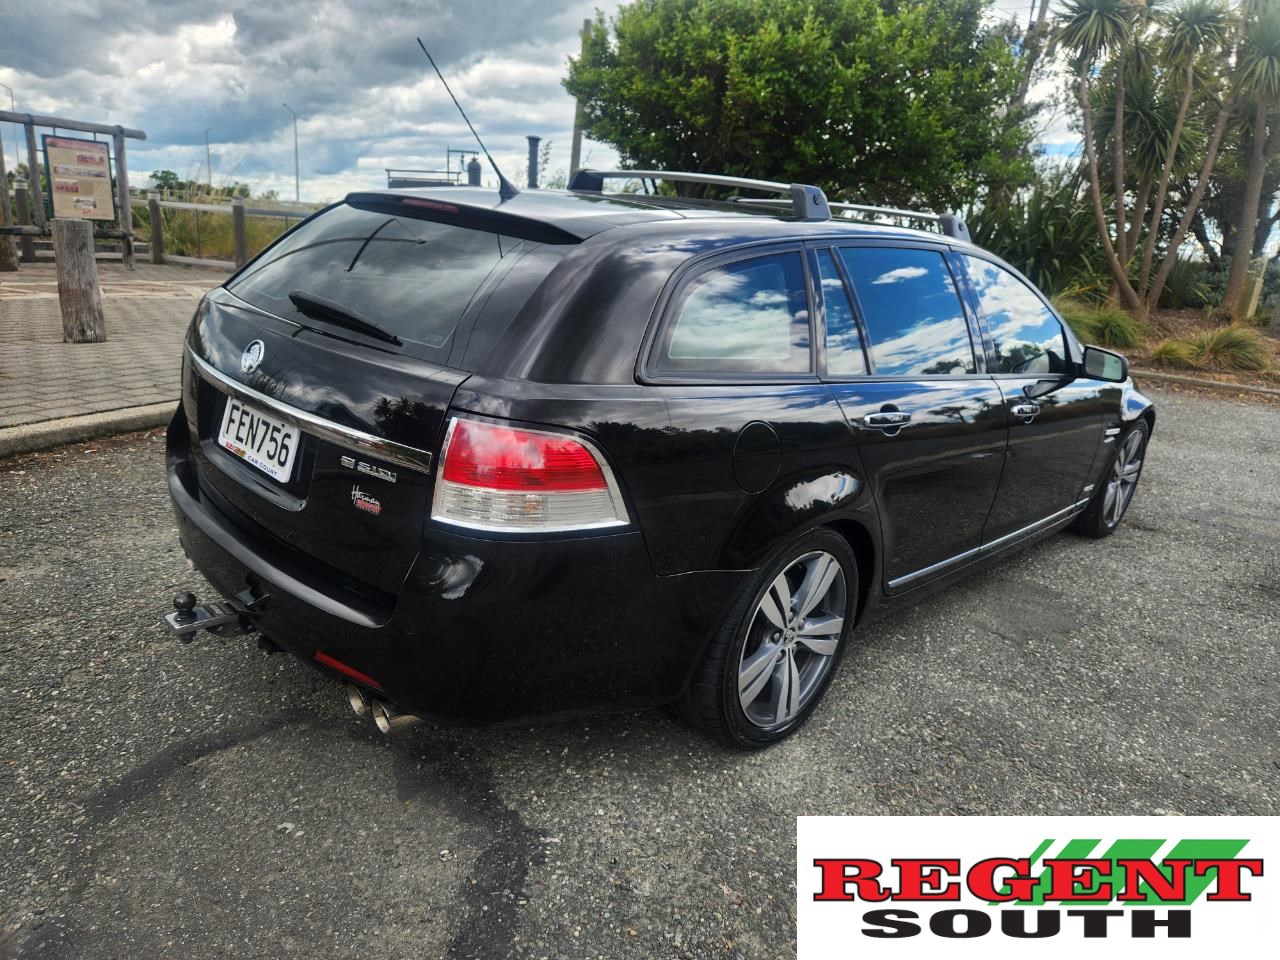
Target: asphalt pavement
(160,801)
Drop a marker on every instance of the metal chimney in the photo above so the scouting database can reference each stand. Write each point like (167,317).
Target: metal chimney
(473,172)
(533,161)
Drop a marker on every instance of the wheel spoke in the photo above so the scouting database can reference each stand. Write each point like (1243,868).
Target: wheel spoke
(823,646)
(754,673)
(776,604)
(1131,470)
(1108,502)
(788,698)
(817,581)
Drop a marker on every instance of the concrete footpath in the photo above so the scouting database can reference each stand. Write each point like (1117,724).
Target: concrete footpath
(53,393)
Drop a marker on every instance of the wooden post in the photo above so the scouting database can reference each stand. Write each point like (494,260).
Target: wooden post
(126,209)
(78,292)
(8,255)
(157,227)
(33,171)
(237,231)
(22,208)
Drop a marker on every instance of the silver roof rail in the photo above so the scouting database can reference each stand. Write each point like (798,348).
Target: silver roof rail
(807,202)
(950,224)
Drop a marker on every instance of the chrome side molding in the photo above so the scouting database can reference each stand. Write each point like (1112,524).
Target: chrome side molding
(998,544)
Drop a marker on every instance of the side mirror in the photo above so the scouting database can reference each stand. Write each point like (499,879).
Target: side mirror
(1102,364)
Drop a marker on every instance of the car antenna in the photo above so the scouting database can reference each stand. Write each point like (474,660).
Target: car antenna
(506,189)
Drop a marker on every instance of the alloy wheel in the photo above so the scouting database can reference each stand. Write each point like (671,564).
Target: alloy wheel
(1124,478)
(791,640)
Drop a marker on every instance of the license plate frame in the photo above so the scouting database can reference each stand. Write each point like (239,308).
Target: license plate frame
(258,438)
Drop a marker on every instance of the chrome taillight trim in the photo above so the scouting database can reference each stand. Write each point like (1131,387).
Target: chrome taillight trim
(622,517)
(398,453)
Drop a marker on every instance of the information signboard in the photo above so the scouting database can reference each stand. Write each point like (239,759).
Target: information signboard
(79,176)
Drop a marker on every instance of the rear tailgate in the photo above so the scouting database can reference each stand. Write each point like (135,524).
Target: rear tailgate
(358,490)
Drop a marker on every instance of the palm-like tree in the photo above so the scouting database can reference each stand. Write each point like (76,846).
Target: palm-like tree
(1091,29)
(1192,29)
(1258,78)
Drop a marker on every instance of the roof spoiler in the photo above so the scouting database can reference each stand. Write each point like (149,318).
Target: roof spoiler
(497,216)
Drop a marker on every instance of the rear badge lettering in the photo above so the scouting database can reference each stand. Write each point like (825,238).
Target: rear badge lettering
(362,501)
(351,463)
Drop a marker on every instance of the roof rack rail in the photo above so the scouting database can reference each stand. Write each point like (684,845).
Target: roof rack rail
(808,203)
(951,225)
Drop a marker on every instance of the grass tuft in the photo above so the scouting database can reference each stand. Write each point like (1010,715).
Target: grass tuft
(1230,348)
(1104,326)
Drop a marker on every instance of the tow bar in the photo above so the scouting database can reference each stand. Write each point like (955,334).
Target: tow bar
(227,619)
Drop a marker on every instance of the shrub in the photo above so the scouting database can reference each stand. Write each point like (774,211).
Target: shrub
(1188,285)
(1174,353)
(1230,348)
(1047,231)
(1106,326)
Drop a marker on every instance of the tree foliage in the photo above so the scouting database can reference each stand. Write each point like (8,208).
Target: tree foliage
(880,100)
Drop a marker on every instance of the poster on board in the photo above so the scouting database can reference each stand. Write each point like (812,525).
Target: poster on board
(79,175)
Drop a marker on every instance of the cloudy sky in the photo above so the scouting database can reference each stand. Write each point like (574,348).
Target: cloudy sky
(365,96)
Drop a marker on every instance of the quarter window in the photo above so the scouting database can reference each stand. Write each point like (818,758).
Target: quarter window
(1028,337)
(750,316)
(914,319)
(844,343)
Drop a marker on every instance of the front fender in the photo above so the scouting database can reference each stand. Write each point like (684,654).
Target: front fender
(1135,404)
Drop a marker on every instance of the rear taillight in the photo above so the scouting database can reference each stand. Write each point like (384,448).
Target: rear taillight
(510,479)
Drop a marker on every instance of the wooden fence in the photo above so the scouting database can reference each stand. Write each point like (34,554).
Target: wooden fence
(170,231)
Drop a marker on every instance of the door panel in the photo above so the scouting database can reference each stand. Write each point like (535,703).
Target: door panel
(935,478)
(1050,457)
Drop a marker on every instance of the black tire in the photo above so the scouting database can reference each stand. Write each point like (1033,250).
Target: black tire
(712,703)
(1100,519)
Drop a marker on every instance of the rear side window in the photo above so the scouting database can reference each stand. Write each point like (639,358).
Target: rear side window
(414,277)
(844,344)
(1028,337)
(746,317)
(912,312)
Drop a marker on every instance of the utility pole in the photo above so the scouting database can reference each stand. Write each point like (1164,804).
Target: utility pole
(575,149)
(297,188)
(208,160)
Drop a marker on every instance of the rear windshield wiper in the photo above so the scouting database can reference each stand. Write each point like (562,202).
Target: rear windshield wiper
(322,308)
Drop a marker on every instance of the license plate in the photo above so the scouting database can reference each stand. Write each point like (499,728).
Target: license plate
(259,439)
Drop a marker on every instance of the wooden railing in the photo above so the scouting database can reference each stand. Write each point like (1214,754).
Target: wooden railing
(242,243)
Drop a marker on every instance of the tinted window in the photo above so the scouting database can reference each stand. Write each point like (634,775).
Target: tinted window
(911,310)
(1028,337)
(844,343)
(750,316)
(414,277)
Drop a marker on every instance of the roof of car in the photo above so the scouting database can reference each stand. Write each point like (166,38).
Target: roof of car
(581,214)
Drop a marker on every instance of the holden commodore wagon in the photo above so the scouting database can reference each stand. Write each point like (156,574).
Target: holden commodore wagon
(483,458)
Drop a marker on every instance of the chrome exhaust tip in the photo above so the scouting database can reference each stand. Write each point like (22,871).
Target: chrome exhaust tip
(359,700)
(389,719)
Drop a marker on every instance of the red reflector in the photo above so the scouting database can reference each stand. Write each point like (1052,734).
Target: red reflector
(504,458)
(352,672)
(429,204)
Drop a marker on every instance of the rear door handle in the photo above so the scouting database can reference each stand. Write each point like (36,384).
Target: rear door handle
(1027,411)
(887,420)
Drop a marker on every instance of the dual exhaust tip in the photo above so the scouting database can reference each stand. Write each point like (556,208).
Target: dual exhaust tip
(385,717)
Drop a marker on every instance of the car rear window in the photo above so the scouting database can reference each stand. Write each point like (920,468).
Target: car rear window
(746,317)
(412,276)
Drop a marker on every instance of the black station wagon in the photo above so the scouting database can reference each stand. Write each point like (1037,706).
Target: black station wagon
(484,457)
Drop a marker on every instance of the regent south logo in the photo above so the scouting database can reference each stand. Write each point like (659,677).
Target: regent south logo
(995,891)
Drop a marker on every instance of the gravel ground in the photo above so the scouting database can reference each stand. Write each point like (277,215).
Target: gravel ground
(161,800)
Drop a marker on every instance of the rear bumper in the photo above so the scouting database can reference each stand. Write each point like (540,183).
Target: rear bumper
(482,631)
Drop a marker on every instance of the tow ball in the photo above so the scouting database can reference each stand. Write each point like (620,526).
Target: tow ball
(226,619)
